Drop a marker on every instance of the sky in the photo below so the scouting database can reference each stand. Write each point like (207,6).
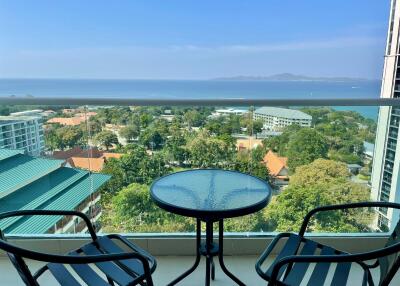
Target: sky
(191,39)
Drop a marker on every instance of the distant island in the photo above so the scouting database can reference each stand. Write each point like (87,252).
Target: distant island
(291,77)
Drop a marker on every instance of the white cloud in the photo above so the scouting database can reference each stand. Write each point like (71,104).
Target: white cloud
(286,46)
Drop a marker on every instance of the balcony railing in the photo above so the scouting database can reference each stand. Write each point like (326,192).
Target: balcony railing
(118,147)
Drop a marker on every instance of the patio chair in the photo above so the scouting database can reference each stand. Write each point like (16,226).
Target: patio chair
(299,253)
(114,265)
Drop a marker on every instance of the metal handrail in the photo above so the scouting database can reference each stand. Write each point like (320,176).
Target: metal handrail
(200,102)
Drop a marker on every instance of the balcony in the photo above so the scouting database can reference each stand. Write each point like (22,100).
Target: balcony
(74,172)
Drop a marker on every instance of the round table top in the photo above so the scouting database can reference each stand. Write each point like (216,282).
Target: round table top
(210,193)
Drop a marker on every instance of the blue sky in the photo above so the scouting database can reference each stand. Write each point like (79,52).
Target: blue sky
(187,39)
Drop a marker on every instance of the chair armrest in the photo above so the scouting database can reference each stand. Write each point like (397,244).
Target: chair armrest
(341,207)
(356,258)
(70,259)
(50,213)
(142,252)
(266,253)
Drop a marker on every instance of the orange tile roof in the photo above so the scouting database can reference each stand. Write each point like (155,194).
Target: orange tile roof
(92,164)
(274,163)
(78,158)
(70,121)
(112,155)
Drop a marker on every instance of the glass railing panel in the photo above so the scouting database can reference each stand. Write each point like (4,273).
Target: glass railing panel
(110,155)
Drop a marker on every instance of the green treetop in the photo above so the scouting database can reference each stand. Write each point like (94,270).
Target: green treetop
(322,182)
(106,138)
(306,146)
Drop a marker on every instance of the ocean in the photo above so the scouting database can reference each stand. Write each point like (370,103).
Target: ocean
(194,89)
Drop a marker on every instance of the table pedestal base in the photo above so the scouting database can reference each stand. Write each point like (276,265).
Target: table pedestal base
(209,249)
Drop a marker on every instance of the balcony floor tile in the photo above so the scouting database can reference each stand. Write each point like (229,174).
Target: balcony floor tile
(169,267)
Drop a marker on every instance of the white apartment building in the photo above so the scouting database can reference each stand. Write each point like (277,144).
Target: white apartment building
(276,118)
(385,184)
(23,133)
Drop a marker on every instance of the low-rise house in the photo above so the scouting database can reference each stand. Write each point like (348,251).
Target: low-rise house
(248,143)
(278,169)
(227,112)
(89,159)
(77,119)
(77,152)
(69,111)
(167,117)
(85,114)
(265,134)
(67,121)
(92,164)
(354,168)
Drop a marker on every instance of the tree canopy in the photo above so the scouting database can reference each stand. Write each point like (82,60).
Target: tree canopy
(306,146)
(106,138)
(137,166)
(132,210)
(206,151)
(323,182)
(130,132)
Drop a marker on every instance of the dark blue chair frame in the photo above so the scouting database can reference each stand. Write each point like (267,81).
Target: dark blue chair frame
(291,264)
(118,266)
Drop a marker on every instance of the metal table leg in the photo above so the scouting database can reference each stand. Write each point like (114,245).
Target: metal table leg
(197,261)
(209,250)
(221,255)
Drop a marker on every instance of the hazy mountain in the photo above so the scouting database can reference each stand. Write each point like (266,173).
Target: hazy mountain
(291,77)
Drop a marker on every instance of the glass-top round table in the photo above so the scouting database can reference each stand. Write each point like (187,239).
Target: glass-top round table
(210,195)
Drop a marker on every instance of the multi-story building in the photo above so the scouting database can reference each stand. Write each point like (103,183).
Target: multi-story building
(276,118)
(385,184)
(39,183)
(23,133)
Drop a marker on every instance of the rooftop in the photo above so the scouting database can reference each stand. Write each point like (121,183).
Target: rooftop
(20,170)
(283,112)
(248,143)
(274,163)
(93,164)
(70,121)
(77,152)
(17,118)
(7,153)
(39,183)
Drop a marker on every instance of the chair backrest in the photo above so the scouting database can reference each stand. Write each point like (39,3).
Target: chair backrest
(391,263)
(20,266)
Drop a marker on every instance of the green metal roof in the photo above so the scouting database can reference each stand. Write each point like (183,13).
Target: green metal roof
(20,170)
(68,199)
(39,192)
(7,153)
(38,183)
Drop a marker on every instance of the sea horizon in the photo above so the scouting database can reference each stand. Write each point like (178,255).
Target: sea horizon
(195,89)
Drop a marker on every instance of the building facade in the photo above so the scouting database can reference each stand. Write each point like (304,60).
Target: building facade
(275,118)
(385,185)
(23,133)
